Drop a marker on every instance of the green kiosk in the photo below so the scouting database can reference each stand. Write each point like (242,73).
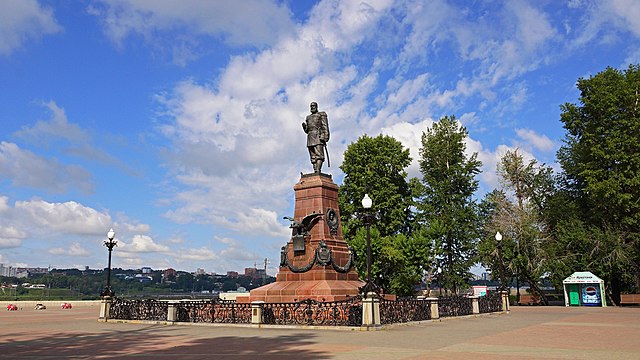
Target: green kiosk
(583,288)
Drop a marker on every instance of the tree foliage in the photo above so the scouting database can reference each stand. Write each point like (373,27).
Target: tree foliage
(600,157)
(376,166)
(601,176)
(516,211)
(447,208)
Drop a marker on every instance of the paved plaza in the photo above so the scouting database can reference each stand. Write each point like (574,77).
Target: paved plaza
(524,333)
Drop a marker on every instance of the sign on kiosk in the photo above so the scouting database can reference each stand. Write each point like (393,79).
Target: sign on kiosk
(591,295)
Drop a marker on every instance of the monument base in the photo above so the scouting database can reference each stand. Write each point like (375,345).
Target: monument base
(317,264)
(294,291)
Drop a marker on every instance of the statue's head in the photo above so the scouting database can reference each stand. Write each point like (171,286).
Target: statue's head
(314,107)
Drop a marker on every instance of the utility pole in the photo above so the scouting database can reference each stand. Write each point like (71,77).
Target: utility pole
(264,274)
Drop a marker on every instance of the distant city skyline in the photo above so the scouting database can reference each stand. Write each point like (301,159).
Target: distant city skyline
(178,124)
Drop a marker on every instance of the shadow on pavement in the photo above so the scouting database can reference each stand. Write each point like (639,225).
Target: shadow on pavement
(154,343)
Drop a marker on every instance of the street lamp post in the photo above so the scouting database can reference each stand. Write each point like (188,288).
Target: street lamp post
(368,219)
(110,243)
(370,287)
(500,259)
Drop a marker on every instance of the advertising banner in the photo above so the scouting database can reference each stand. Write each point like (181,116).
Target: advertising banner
(591,295)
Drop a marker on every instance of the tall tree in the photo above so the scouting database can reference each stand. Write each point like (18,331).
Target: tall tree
(601,162)
(376,166)
(519,218)
(447,207)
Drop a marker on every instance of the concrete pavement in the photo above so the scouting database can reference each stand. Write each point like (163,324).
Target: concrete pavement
(525,333)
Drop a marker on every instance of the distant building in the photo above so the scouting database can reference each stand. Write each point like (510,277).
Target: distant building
(250,272)
(200,271)
(7,271)
(36,271)
(22,273)
(146,270)
(169,272)
(232,274)
(255,273)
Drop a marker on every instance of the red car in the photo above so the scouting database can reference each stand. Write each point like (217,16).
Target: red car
(66,306)
(12,307)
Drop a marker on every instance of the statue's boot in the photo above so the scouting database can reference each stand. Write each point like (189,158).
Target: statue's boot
(317,167)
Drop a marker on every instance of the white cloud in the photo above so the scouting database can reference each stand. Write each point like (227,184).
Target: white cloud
(24,168)
(604,20)
(628,11)
(410,135)
(142,244)
(22,20)
(75,249)
(68,218)
(201,254)
(536,141)
(58,127)
(175,24)
(4,203)
(71,139)
(11,237)
(6,243)
(534,29)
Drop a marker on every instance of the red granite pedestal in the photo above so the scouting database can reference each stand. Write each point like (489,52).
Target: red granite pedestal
(314,193)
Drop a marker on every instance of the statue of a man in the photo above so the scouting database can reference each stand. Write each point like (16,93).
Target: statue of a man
(316,125)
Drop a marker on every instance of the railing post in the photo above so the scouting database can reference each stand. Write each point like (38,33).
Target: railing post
(371,307)
(475,306)
(256,312)
(172,311)
(435,312)
(105,307)
(505,300)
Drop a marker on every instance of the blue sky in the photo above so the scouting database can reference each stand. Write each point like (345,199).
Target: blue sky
(177,123)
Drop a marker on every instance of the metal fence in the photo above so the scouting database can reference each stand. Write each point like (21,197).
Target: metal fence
(492,302)
(404,310)
(455,306)
(147,309)
(311,312)
(213,311)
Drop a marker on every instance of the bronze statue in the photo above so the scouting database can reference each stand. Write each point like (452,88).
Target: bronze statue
(316,125)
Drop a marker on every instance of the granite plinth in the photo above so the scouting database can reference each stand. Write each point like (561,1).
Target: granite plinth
(315,193)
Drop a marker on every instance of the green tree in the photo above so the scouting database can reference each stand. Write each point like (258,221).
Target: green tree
(400,260)
(447,208)
(529,185)
(601,166)
(376,166)
(495,255)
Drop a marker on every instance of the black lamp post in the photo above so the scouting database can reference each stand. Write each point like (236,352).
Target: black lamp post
(108,292)
(500,259)
(368,219)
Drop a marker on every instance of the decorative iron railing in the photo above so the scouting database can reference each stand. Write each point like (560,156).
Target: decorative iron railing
(492,302)
(213,311)
(147,309)
(404,310)
(311,312)
(306,312)
(455,306)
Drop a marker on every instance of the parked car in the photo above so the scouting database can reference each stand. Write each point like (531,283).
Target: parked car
(12,307)
(65,305)
(39,307)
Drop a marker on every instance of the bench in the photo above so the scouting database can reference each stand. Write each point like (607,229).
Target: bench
(529,299)
(627,299)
